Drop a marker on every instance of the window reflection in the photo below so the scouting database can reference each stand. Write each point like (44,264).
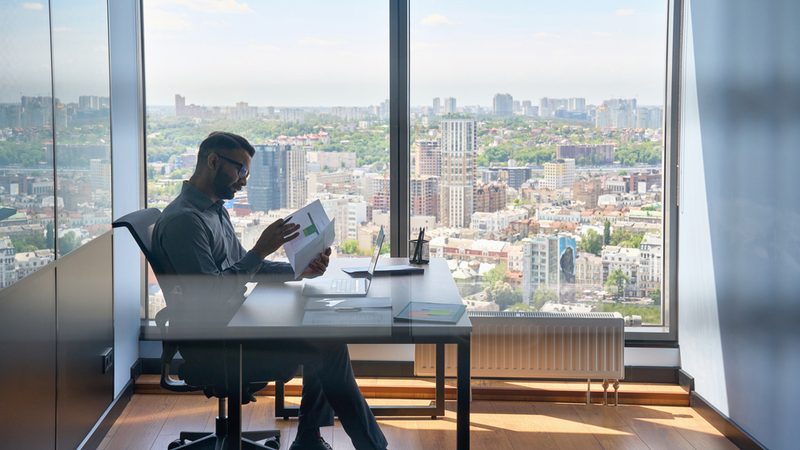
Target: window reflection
(82,125)
(26,142)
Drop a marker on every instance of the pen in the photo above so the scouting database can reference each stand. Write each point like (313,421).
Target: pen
(418,250)
(347,309)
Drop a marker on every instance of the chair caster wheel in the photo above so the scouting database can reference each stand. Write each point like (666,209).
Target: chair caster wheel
(176,443)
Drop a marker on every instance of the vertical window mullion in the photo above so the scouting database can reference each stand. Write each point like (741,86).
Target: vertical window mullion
(399,110)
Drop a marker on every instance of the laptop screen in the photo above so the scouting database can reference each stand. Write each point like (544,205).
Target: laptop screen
(377,252)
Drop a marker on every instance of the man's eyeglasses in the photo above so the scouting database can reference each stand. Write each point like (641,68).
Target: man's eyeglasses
(243,170)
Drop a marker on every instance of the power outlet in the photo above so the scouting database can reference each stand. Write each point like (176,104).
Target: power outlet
(108,359)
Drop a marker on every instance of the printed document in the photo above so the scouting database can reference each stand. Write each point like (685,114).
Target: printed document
(316,234)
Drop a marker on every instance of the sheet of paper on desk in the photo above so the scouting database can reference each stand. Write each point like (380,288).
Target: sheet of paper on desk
(364,317)
(345,302)
(316,234)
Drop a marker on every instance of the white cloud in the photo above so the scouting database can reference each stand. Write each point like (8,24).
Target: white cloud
(209,6)
(156,19)
(33,6)
(602,34)
(318,42)
(625,12)
(436,20)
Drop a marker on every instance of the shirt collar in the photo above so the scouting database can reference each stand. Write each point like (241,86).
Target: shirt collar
(197,198)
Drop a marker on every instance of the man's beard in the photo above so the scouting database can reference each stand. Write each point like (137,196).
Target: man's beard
(223,187)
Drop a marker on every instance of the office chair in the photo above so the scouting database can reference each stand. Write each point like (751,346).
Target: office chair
(140,225)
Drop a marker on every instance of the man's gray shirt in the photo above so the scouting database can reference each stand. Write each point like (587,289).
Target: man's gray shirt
(194,236)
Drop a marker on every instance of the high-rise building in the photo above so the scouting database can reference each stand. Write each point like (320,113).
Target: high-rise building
(650,264)
(450,105)
(490,197)
(180,105)
(625,259)
(548,107)
(616,113)
(437,106)
(559,174)
(296,185)
(503,105)
(587,192)
(576,104)
(425,196)
(266,187)
(539,265)
(100,173)
(8,271)
(380,190)
(459,143)
(649,117)
(587,153)
(428,158)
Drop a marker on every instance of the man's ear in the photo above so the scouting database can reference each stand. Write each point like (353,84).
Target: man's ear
(212,160)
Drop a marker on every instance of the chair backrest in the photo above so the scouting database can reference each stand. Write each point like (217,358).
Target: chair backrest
(140,224)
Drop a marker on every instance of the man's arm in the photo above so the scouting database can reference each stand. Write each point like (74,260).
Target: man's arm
(186,243)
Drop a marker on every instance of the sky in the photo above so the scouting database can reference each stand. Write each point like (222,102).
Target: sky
(80,49)
(324,53)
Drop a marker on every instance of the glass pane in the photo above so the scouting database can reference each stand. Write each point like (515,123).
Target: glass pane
(26,141)
(537,144)
(82,125)
(305,82)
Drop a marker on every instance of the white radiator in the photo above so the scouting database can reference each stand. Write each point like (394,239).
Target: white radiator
(537,345)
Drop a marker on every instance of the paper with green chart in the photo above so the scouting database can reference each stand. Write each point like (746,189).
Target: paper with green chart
(316,234)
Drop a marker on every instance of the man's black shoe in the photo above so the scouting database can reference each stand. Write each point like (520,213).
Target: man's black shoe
(310,444)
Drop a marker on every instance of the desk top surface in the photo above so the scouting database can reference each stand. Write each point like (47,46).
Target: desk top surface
(277,310)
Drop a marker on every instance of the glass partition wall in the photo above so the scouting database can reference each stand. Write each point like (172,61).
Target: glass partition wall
(55,177)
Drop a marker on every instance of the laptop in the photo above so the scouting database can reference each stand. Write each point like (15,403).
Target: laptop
(345,287)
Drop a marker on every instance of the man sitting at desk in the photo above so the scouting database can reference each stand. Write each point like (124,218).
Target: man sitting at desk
(194,236)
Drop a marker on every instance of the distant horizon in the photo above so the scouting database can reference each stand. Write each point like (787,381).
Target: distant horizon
(458,104)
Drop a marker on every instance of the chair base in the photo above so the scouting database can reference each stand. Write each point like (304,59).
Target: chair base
(214,441)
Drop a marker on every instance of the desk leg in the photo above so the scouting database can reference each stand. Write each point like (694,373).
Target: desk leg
(462,408)
(234,438)
(439,382)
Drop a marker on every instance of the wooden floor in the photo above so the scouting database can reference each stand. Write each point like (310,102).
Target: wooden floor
(152,421)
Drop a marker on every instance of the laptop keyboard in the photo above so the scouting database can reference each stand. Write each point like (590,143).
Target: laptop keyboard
(344,285)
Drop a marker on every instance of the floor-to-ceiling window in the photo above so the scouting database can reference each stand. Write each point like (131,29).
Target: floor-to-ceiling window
(307,83)
(537,151)
(537,138)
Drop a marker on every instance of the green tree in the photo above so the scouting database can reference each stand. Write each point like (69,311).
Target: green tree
(606,232)
(543,295)
(520,307)
(349,247)
(503,294)
(68,242)
(494,276)
(617,280)
(655,295)
(591,242)
(625,238)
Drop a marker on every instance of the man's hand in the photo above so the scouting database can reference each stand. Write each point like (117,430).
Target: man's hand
(275,235)
(318,265)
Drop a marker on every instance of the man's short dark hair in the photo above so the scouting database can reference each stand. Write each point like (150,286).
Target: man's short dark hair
(222,140)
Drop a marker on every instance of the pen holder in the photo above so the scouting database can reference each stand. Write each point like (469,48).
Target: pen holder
(421,257)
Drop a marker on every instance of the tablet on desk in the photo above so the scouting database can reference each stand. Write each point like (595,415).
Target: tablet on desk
(395,269)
